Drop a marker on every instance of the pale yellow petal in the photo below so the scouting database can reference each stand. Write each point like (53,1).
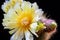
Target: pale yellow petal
(13,31)
(28,35)
(34,33)
(26,5)
(17,36)
(35,6)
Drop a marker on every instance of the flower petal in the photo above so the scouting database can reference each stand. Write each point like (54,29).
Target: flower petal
(17,36)
(12,14)
(5,6)
(26,5)
(39,12)
(28,35)
(33,26)
(35,6)
(9,24)
(34,33)
(13,31)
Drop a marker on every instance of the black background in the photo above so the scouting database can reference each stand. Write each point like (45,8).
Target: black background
(51,7)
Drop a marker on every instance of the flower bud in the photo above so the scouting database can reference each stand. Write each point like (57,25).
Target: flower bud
(50,24)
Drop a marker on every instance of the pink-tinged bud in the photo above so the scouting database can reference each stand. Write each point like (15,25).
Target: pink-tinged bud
(50,24)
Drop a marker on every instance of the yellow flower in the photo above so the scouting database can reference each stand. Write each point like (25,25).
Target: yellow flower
(21,19)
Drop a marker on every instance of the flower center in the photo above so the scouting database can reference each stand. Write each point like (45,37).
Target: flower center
(25,21)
